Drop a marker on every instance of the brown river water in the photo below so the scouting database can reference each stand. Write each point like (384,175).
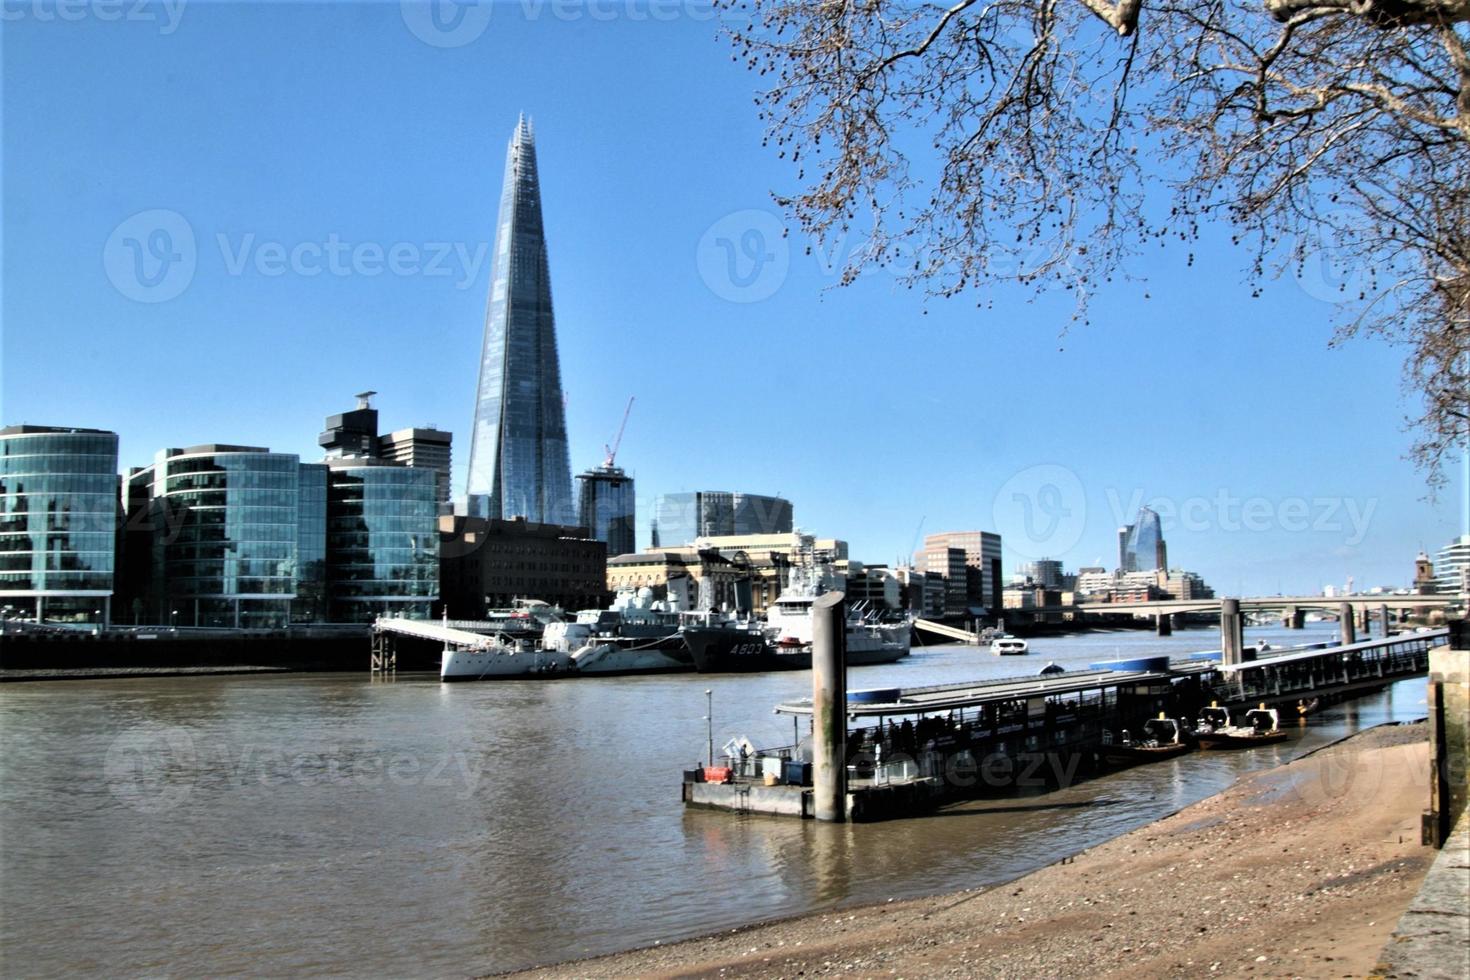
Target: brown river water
(333,824)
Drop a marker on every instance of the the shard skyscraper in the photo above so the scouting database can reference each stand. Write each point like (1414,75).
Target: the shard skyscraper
(518,449)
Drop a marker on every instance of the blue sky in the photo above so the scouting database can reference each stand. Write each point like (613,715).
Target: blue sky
(339,175)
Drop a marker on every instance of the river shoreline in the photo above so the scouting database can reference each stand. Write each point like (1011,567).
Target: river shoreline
(1300,870)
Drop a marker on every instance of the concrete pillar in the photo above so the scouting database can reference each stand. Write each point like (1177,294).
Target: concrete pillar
(1348,624)
(1367,622)
(1383,617)
(1293,618)
(1164,624)
(1231,638)
(829,707)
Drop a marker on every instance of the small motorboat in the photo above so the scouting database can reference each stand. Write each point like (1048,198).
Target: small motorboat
(1162,738)
(1262,726)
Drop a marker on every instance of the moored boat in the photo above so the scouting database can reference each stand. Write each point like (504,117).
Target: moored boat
(1262,726)
(1162,738)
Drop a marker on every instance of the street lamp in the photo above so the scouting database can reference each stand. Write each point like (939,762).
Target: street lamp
(709,699)
(171,619)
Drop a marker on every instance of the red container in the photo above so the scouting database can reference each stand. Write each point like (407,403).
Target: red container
(717,774)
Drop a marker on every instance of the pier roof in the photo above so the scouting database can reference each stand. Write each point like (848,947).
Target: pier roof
(949,697)
(1294,656)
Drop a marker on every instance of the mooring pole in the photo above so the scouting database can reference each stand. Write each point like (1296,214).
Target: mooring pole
(1348,623)
(1230,632)
(829,707)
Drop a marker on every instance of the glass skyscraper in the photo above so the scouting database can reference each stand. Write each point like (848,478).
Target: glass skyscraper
(606,507)
(679,518)
(382,542)
(1141,544)
(58,518)
(519,465)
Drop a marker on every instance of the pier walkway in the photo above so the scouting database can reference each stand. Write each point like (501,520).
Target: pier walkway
(451,636)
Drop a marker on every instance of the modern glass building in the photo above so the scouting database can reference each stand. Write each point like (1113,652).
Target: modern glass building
(382,542)
(310,604)
(519,466)
(224,530)
(605,506)
(1141,544)
(58,523)
(679,518)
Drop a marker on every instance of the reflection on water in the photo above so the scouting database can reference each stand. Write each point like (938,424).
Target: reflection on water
(328,823)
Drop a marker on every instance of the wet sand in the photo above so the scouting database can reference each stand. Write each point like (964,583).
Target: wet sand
(1299,871)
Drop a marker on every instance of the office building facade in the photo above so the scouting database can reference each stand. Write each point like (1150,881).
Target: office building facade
(606,507)
(486,563)
(58,523)
(519,464)
(221,521)
(980,582)
(382,541)
(422,448)
(680,518)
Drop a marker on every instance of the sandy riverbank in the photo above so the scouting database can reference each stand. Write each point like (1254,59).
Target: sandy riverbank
(1299,871)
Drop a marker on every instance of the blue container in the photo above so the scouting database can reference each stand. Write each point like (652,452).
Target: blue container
(798,773)
(1156,664)
(873,695)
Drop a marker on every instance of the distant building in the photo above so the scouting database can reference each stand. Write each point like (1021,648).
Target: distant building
(606,507)
(519,466)
(58,523)
(680,518)
(1453,567)
(1424,581)
(876,587)
(1045,572)
(354,435)
(489,563)
(979,586)
(1141,545)
(423,448)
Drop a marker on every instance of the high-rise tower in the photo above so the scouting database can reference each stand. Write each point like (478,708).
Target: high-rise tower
(518,448)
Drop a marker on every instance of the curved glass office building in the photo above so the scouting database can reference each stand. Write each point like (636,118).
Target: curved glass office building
(227,535)
(58,522)
(382,542)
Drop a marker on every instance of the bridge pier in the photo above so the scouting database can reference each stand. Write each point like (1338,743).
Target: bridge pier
(1164,624)
(1367,622)
(1231,638)
(1383,615)
(1347,623)
(1293,618)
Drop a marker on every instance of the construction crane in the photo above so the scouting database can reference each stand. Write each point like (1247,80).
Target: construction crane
(612,451)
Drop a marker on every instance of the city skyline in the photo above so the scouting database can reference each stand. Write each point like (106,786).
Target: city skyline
(642,308)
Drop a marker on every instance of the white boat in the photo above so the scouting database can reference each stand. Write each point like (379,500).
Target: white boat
(789,621)
(498,659)
(1005,645)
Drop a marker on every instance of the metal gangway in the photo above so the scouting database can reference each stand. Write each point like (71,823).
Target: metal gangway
(948,632)
(384,627)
